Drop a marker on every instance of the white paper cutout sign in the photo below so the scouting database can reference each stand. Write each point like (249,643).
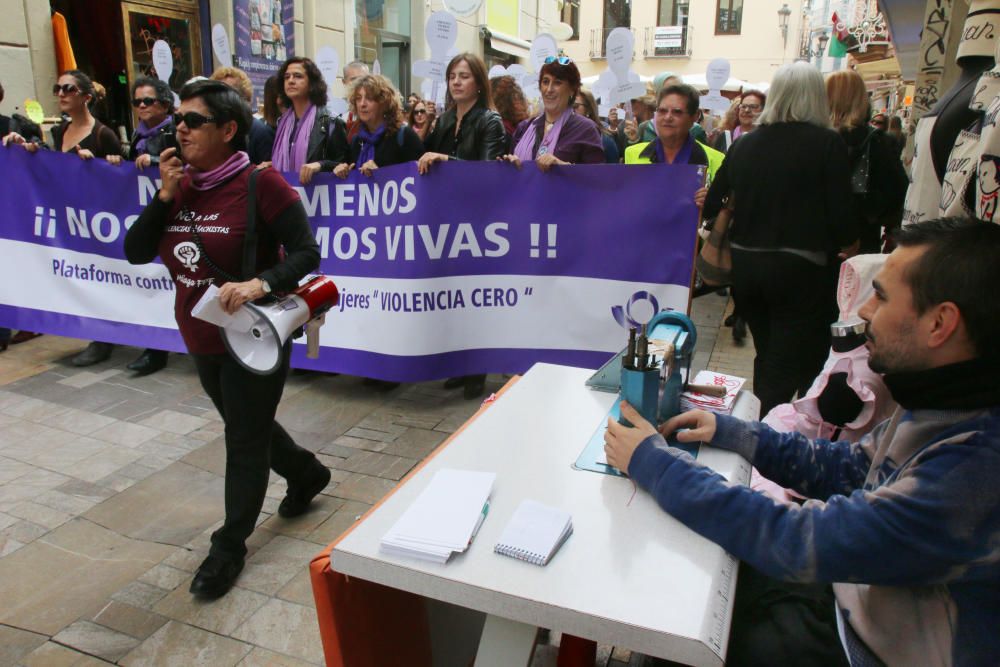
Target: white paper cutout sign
(220,45)
(163,60)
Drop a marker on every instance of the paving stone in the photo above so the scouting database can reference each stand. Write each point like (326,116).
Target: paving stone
(210,457)
(24,532)
(125,433)
(184,559)
(360,443)
(364,488)
(11,469)
(339,521)
(85,490)
(104,463)
(95,639)
(131,620)
(221,616)
(319,511)
(177,504)
(39,514)
(276,563)
(415,443)
(164,576)
(65,502)
(299,590)
(261,657)
(16,643)
(79,421)
(139,594)
(173,421)
(286,628)
(79,564)
(34,409)
(340,451)
(180,645)
(7,519)
(51,654)
(378,465)
(82,379)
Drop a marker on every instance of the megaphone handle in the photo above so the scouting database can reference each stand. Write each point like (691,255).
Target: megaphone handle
(312,336)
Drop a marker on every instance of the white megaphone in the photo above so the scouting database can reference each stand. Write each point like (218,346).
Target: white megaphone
(257,333)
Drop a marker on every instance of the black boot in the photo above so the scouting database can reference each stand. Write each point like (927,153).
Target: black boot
(475,386)
(94,353)
(215,576)
(298,496)
(739,330)
(148,362)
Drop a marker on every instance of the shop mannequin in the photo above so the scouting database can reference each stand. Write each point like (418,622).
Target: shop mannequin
(939,130)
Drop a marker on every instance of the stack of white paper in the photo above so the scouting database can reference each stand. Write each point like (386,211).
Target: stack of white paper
(693,400)
(444,518)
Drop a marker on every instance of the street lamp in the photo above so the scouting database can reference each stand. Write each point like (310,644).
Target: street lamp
(783,15)
(807,53)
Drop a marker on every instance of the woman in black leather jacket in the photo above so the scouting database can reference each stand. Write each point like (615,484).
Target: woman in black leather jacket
(469,130)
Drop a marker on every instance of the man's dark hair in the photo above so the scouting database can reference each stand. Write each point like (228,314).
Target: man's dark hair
(684,90)
(225,104)
(962,265)
(317,86)
(163,93)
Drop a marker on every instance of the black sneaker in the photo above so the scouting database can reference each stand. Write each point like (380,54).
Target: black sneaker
(215,576)
(297,498)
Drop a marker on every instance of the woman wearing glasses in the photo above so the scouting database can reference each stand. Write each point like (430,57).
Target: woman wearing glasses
(747,112)
(212,124)
(418,119)
(153,102)
(469,130)
(557,136)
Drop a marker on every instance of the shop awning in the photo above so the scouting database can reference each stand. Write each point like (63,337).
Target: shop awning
(505,43)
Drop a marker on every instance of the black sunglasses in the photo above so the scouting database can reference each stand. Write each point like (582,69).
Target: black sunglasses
(192,119)
(148,101)
(416,111)
(65,89)
(562,60)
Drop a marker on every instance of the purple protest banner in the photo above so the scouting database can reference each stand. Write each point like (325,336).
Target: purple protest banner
(476,267)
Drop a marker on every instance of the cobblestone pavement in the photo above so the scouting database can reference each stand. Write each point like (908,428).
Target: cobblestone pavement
(111,485)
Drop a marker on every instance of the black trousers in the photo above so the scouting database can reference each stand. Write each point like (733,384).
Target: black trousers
(255,443)
(788,303)
(779,623)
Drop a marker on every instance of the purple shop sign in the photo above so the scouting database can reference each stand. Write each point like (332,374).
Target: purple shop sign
(265,38)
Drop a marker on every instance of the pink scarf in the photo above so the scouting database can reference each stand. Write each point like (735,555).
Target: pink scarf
(206,180)
(526,146)
(290,152)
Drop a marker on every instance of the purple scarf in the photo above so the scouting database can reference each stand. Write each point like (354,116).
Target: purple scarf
(143,133)
(291,151)
(526,146)
(368,141)
(683,155)
(206,180)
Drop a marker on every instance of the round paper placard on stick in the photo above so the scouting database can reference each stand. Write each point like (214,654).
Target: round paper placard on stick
(717,74)
(220,45)
(328,62)
(463,7)
(163,60)
(542,47)
(441,32)
(619,50)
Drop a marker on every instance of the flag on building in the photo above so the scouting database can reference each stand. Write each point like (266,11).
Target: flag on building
(839,37)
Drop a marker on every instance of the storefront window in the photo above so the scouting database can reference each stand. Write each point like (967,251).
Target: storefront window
(383,34)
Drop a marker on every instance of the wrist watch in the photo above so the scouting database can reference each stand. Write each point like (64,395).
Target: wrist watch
(265,286)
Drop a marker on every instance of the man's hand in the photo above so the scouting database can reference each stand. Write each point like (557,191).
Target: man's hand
(700,425)
(620,441)
(114,159)
(234,295)
(368,168)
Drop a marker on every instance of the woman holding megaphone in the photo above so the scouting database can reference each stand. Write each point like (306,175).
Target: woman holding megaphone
(197,224)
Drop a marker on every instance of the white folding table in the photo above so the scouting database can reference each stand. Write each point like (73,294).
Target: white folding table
(630,575)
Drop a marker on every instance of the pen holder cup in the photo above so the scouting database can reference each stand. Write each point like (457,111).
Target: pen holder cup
(641,389)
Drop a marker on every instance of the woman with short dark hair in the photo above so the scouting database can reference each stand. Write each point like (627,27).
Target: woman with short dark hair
(557,136)
(212,122)
(308,139)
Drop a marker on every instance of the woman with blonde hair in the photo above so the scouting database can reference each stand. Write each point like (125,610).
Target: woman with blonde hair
(878,180)
(382,139)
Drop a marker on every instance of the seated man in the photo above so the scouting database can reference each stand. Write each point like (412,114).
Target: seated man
(906,523)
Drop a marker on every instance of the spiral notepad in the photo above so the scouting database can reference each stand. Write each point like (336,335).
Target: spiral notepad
(534,533)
